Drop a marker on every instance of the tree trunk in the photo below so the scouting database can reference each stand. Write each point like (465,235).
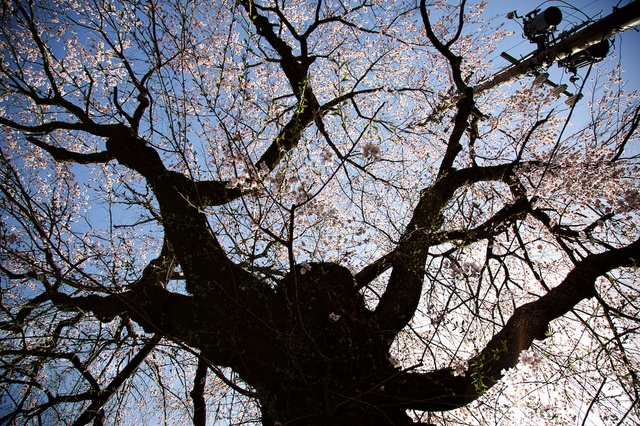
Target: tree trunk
(335,363)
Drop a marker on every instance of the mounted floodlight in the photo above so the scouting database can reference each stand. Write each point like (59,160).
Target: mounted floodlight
(540,79)
(541,23)
(590,55)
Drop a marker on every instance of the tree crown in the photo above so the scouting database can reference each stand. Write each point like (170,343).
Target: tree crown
(310,204)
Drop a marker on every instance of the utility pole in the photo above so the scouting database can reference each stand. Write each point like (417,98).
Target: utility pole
(566,46)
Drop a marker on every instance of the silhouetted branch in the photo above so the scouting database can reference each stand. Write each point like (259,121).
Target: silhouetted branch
(101,398)
(197,394)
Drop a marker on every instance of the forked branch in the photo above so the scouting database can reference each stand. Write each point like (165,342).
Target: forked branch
(441,390)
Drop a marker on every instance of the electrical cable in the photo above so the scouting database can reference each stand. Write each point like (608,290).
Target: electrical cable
(564,127)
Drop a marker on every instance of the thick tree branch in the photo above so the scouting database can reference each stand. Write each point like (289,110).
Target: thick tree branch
(374,269)
(208,272)
(490,227)
(402,295)
(465,102)
(197,394)
(444,49)
(290,135)
(213,324)
(295,69)
(464,105)
(441,390)
(42,128)
(214,193)
(147,302)
(200,193)
(184,222)
(159,311)
(634,124)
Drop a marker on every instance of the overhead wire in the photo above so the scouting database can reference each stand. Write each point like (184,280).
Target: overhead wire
(564,127)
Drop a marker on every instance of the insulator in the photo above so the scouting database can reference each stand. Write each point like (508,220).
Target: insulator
(559,90)
(540,79)
(572,100)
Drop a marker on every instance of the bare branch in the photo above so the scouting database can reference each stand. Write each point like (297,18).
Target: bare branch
(63,155)
(123,375)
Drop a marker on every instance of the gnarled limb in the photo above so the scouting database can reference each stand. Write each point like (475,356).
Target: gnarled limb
(492,227)
(441,390)
(402,295)
(444,48)
(295,69)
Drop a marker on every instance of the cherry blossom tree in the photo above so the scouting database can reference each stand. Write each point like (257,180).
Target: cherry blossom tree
(301,213)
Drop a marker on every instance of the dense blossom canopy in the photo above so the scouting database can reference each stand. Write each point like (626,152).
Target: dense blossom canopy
(301,212)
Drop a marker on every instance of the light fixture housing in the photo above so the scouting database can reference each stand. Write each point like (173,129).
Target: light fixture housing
(542,23)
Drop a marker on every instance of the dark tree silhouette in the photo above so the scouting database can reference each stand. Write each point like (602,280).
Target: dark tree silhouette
(303,214)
